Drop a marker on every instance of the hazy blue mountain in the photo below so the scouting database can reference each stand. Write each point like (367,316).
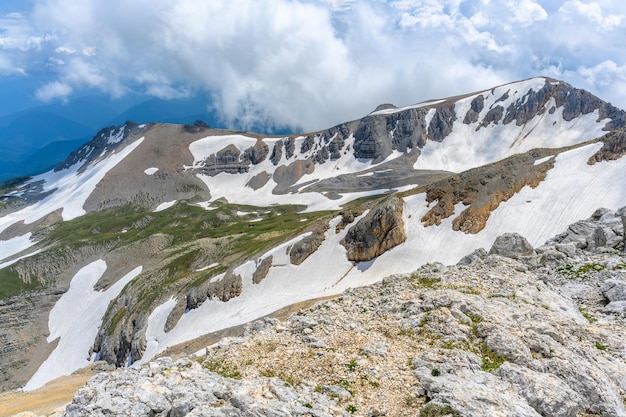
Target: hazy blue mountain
(38,138)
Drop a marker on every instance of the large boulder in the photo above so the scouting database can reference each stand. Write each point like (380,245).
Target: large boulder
(511,245)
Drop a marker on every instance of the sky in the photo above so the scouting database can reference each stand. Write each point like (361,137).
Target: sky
(306,64)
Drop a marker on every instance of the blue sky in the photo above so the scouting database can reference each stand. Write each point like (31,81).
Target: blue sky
(310,63)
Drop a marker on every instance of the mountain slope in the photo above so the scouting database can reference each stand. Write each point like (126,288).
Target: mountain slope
(224,227)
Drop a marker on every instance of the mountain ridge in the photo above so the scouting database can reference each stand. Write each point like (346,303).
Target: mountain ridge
(218,220)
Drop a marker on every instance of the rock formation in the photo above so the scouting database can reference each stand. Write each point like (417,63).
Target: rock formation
(380,230)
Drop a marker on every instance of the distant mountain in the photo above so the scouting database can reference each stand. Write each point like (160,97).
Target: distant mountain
(153,234)
(36,139)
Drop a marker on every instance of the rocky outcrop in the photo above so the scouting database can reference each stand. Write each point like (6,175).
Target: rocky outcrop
(441,124)
(226,160)
(380,230)
(287,175)
(257,153)
(262,269)
(602,231)
(224,289)
(614,147)
(482,190)
(187,388)
(476,106)
(302,249)
(371,139)
(511,245)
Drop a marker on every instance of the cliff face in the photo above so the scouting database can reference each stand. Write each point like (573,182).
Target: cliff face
(380,230)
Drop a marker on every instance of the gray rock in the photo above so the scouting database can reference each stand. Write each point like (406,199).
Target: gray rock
(511,245)
(614,290)
(546,393)
(375,349)
(476,256)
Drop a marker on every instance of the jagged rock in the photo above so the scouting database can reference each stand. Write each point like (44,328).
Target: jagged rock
(380,230)
(544,392)
(476,256)
(257,153)
(454,378)
(184,388)
(614,290)
(511,245)
(493,116)
(306,246)
(228,287)
(476,106)
(441,124)
(277,152)
(371,139)
(262,270)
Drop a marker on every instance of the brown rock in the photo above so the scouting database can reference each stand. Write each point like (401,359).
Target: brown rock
(380,230)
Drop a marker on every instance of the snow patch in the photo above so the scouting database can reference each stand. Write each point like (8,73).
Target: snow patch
(165,206)
(14,245)
(75,320)
(542,160)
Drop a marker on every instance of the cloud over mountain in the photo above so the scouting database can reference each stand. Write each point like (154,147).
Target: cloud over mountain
(307,64)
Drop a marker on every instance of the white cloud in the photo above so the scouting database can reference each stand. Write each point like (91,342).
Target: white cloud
(593,12)
(54,90)
(527,11)
(313,63)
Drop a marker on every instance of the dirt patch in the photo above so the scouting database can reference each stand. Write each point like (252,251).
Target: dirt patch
(45,400)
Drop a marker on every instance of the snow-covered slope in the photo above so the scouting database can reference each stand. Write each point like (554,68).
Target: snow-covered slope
(175,251)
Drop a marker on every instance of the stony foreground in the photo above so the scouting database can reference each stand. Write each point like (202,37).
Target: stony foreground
(514,332)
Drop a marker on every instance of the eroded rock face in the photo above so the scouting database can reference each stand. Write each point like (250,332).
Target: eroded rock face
(380,230)
(305,247)
(263,268)
(482,190)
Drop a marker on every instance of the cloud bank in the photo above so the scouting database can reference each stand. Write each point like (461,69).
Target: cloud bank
(309,64)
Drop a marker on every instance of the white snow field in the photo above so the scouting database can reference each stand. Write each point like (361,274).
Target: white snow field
(75,320)
(572,191)
(466,147)
(71,190)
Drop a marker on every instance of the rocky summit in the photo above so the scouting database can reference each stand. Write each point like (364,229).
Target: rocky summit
(151,237)
(515,330)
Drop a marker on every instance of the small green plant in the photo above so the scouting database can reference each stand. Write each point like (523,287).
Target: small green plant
(586,315)
(347,385)
(411,400)
(222,367)
(289,380)
(406,331)
(434,410)
(600,346)
(582,271)
(435,372)
(351,409)
(307,405)
(490,360)
(352,365)
(619,267)
(423,282)
(268,373)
